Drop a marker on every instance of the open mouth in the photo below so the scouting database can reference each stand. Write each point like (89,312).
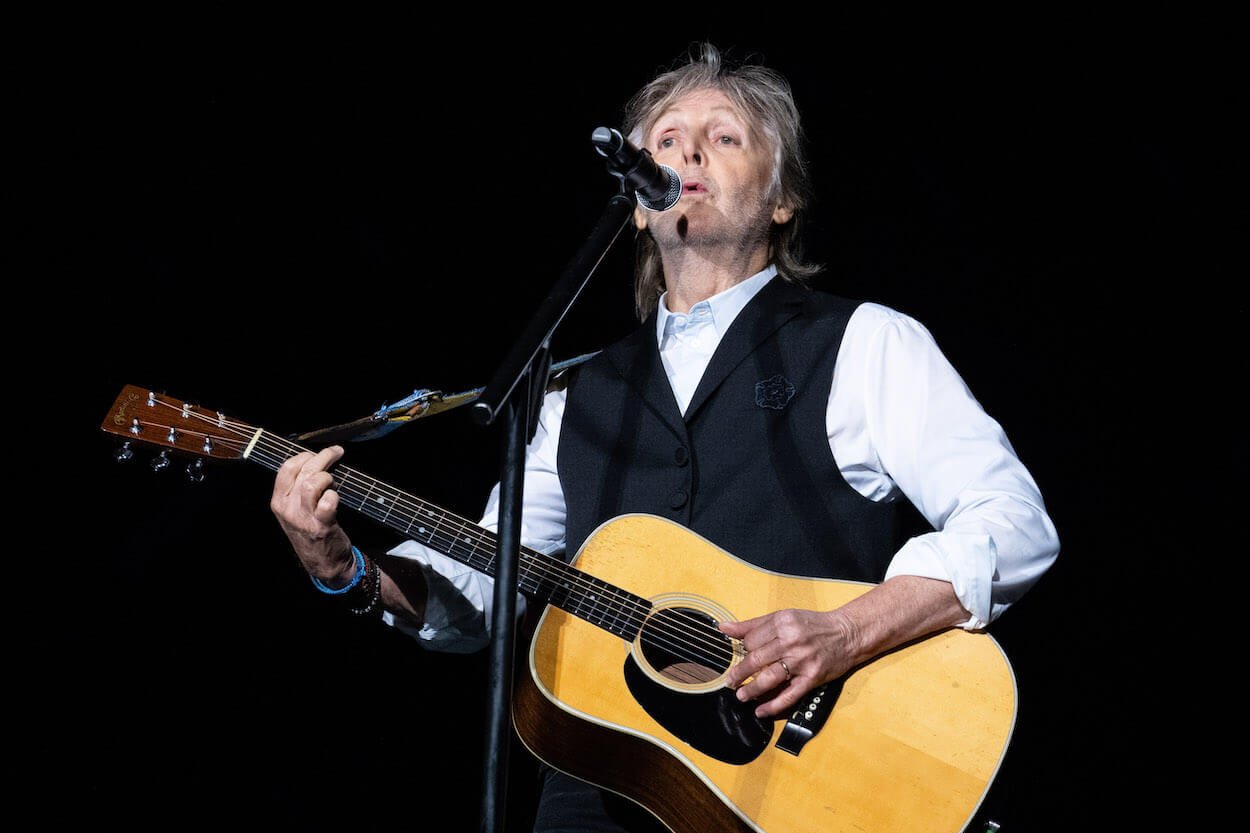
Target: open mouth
(693,188)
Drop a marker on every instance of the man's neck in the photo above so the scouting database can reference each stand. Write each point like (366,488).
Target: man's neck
(694,275)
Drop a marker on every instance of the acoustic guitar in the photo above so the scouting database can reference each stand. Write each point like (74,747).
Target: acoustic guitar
(625,683)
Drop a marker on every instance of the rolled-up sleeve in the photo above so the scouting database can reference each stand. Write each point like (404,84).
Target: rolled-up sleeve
(993,537)
(460,599)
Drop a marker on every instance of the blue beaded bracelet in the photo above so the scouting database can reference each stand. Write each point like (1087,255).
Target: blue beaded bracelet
(360,574)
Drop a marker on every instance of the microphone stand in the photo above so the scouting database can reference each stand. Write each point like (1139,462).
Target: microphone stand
(517,390)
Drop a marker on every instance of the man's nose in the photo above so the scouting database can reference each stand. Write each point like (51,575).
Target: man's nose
(692,151)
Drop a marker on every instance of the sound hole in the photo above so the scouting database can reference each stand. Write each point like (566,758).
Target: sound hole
(685,646)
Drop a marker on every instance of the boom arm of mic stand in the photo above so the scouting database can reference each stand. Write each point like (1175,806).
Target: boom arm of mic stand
(559,301)
(518,388)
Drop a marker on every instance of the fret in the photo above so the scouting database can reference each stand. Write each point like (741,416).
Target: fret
(577,605)
(349,496)
(402,515)
(527,582)
(390,504)
(416,521)
(368,488)
(594,597)
(350,492)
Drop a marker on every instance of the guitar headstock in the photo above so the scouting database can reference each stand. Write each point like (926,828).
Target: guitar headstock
(142,416)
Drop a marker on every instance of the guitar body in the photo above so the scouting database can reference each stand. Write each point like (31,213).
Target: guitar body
(912,742)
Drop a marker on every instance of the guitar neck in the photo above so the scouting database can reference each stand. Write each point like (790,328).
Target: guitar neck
(540,577)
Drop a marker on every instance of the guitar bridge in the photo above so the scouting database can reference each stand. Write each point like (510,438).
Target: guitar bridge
(808,719)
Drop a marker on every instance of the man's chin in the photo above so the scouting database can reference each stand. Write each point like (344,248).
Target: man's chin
(689,229)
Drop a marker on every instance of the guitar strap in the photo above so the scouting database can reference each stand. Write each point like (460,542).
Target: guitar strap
(421,403)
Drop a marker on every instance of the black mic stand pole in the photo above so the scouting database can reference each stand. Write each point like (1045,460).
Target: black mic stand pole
(517,389)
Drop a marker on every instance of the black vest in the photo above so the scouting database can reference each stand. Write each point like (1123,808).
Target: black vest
(749,467)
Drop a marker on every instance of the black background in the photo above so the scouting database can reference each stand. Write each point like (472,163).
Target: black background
(295,220)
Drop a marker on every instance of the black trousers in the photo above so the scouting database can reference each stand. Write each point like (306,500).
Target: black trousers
(567,805)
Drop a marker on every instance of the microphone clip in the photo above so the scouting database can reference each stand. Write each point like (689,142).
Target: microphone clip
(657,187)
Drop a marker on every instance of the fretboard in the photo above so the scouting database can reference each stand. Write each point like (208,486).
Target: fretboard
(542,578)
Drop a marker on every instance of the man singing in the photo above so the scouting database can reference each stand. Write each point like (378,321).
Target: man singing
(786,426)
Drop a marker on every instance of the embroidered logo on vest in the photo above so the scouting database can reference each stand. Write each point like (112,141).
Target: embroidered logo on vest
(774,393)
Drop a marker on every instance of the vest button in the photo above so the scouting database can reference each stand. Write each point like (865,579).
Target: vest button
(677,499)
(681,456)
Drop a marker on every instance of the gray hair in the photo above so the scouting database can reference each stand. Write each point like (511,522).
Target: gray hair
(764,97)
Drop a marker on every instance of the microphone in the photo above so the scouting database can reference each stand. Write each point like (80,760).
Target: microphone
(658,187)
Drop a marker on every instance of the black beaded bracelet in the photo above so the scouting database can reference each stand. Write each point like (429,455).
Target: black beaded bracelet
(371,589)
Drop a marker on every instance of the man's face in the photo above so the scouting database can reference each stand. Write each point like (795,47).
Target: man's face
(726,172)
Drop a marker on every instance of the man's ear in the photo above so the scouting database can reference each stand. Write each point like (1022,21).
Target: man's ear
(640,218)
(782,214)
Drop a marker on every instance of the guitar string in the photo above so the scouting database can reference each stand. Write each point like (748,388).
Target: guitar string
(280,449)
(714,641)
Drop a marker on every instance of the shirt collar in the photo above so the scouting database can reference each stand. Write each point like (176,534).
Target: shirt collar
(722,308)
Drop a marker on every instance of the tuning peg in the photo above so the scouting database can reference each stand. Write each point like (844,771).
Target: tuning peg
(125,453)
(195,471)
(161,461)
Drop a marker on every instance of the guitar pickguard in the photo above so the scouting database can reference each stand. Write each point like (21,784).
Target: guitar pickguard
(713,722)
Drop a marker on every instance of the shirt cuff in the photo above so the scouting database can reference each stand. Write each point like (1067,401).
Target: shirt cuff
(458,603)
(967,560)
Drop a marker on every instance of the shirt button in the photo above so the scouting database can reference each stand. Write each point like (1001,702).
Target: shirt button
(681,456)
(678,499)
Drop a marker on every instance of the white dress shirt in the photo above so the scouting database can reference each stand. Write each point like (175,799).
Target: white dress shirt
(902,425)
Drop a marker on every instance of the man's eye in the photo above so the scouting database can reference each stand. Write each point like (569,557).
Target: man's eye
(666,142)
(728,140)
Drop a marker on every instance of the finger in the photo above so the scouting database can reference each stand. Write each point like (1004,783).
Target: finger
(312,487)
(740,629)
(755,633)
(739,674)
(783,702)
(769,678)
(288,472)
(753,663)
(324,459)
(327,508)
(763,640)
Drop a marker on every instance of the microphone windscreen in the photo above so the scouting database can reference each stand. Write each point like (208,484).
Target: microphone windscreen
(670,197)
